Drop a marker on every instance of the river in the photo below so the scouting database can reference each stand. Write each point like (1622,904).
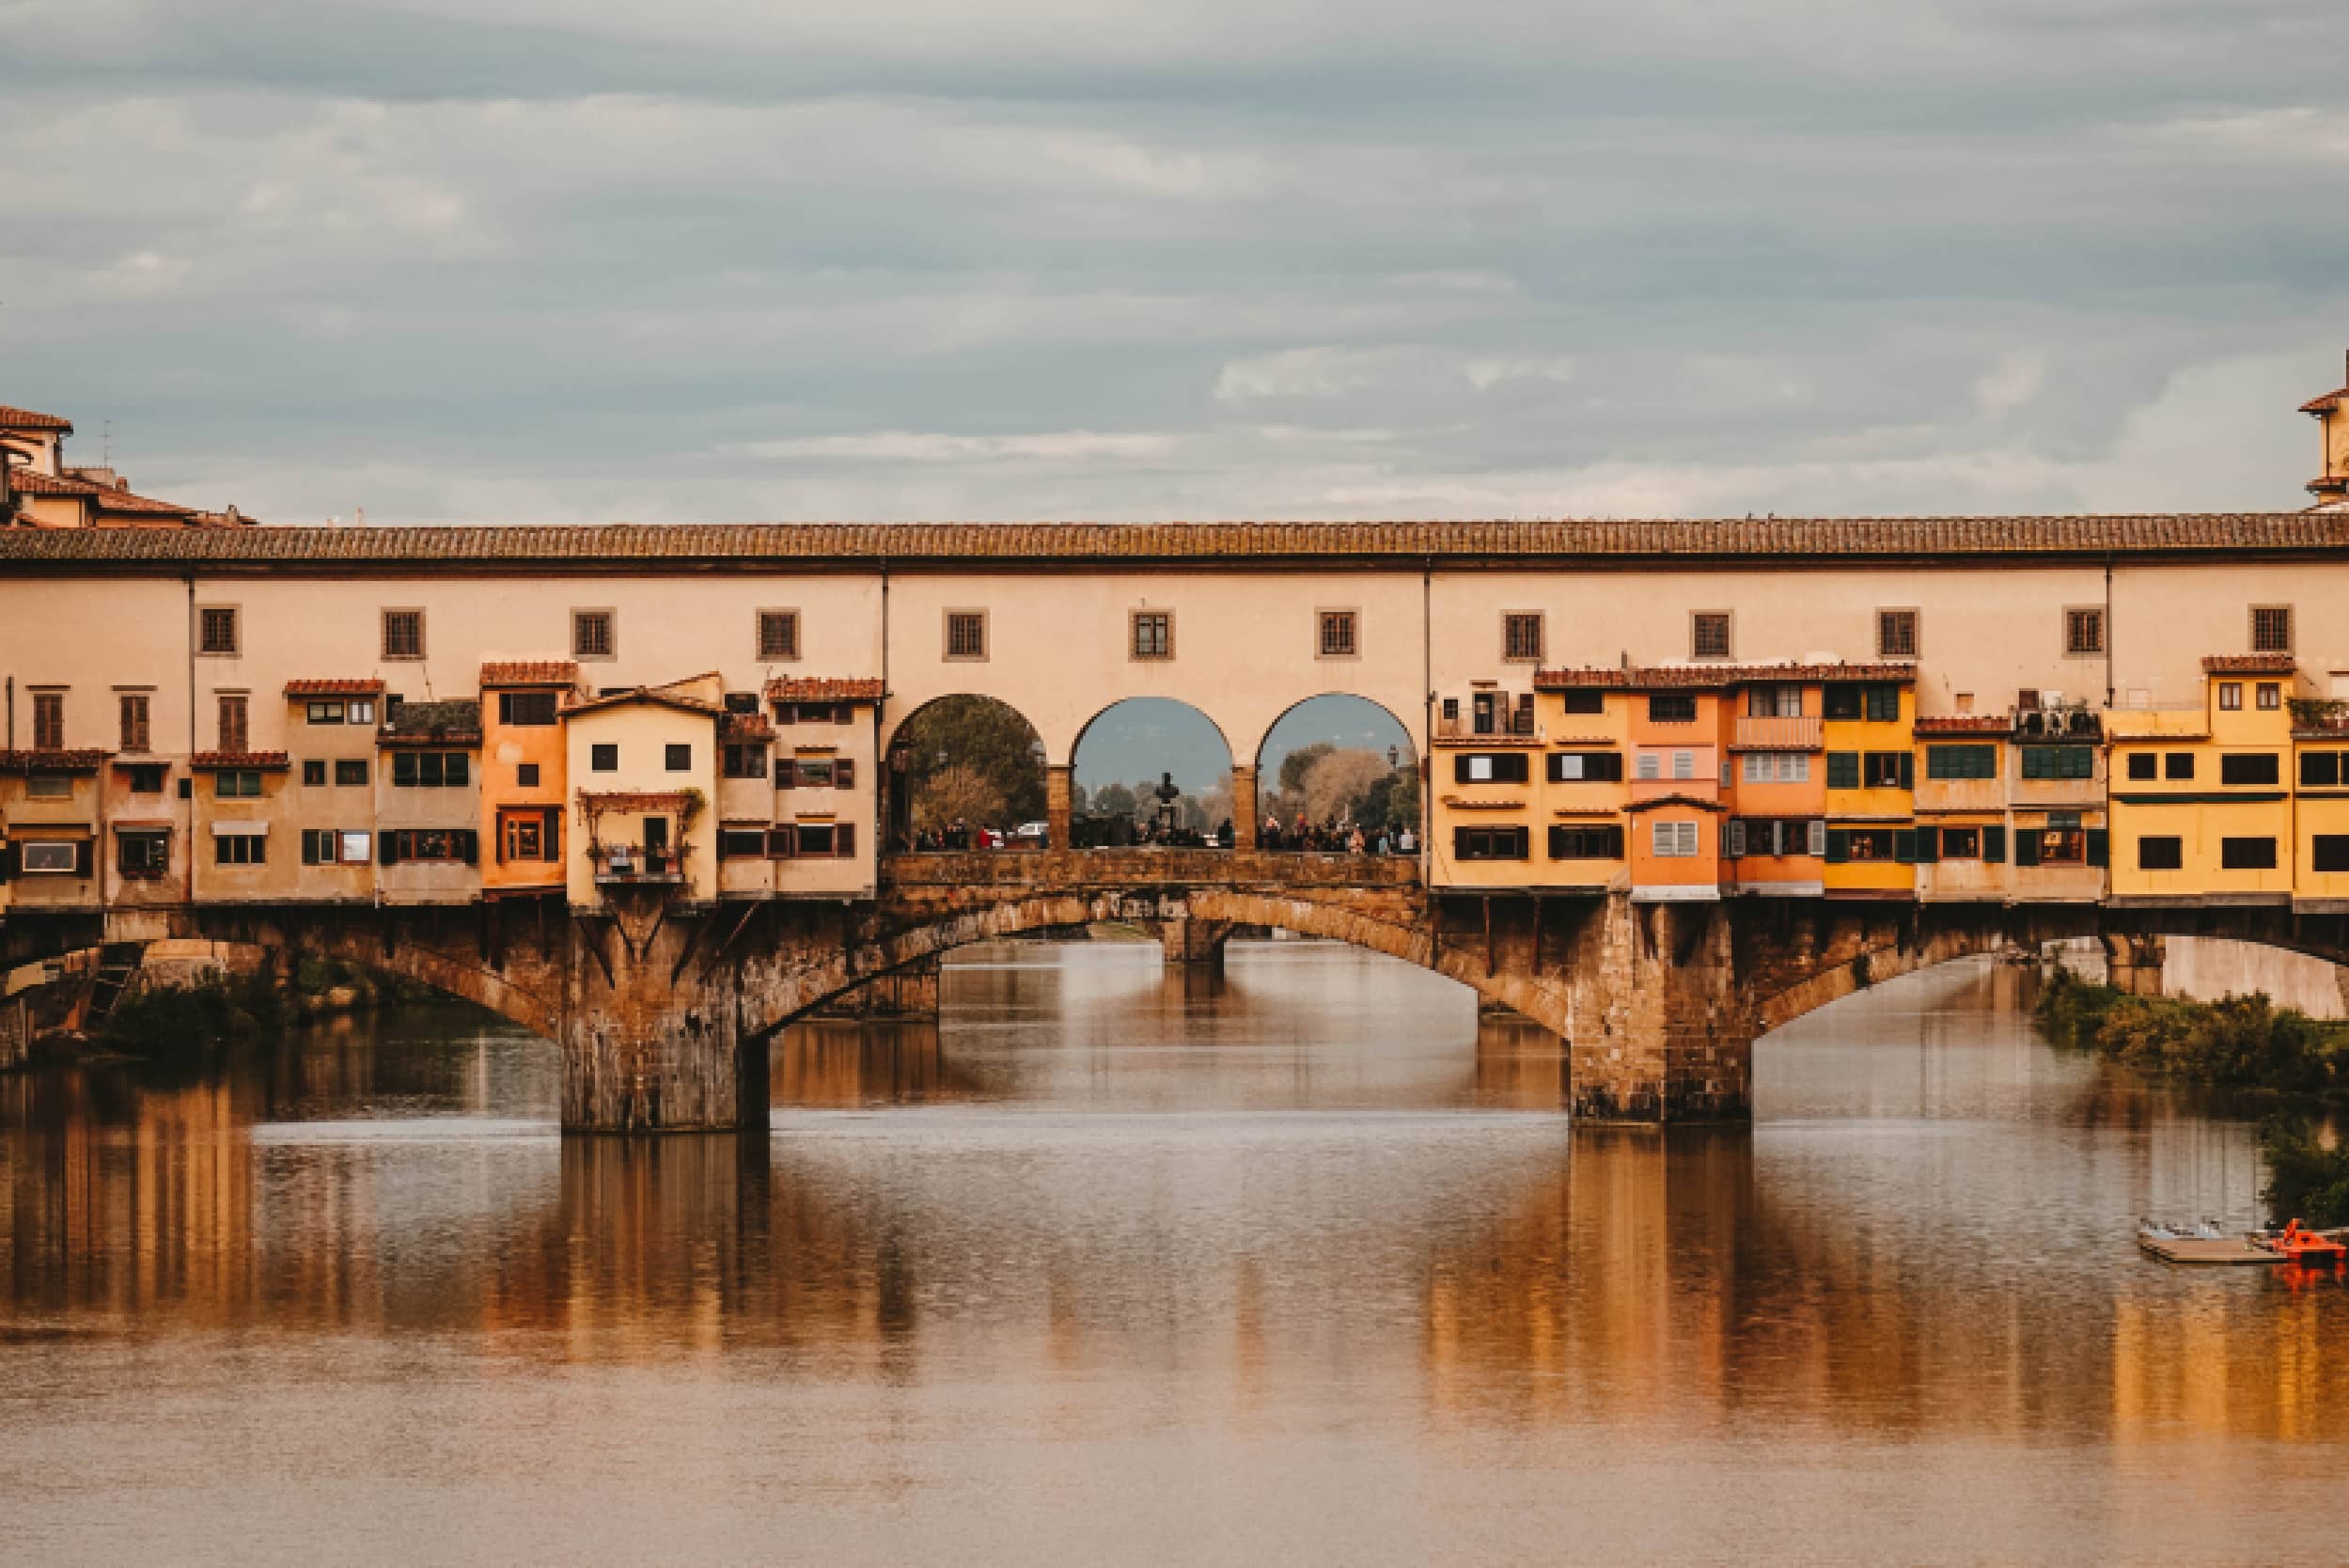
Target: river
(1295,1265)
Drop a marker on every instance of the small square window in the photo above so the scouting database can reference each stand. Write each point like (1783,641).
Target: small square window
(967,635)
(1339,635)
(2177,764)
(778,635)
(2270,696)
(314,771)
(526,774)
(592,636)
(2084,630)
(2271,627)
(679,757)
(1152,635)
(147,779)
(1709,635)
(2230,697)
(351,772)
(403,633)
(603,757)
(217,630)
(1521,636)
(1896,633)
(2144,764)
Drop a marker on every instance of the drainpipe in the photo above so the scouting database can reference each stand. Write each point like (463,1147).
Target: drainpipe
(11,713)
(188,773)
(2108,632)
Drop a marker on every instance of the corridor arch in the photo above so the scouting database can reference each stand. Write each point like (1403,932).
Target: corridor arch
(964,756)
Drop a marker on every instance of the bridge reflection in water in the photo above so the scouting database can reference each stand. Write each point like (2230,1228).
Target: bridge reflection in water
(1154,1236)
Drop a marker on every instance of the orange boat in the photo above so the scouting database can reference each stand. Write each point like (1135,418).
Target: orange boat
(2300,1245)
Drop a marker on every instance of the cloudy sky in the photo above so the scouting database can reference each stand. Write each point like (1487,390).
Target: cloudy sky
(715,259)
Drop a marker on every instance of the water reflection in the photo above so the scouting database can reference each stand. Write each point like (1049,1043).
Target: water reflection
(1192,1267)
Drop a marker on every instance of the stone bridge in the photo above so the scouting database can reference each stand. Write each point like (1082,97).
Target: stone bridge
(664,1011)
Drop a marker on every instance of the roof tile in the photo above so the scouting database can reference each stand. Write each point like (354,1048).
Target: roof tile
(331,686)
(824,688)
(211,761)
(529,672)
(2250,664)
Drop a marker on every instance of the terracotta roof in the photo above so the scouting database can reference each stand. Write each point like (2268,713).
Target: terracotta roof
(634,800)
(452,721)
(2250,664)
(1964,724)
(530,672)
(1650,803)
(26,419)
(701,547)
(85,760)
(106,498)
(2327,404)
(745,726)
(655,694)
(210,762)
(1705,677)
(330,686)
(824,688)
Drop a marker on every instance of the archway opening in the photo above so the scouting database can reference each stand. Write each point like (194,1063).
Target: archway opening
(1338,772)
(1151,770)
(965,772)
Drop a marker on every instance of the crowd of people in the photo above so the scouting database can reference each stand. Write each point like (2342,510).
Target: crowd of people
(1301,837)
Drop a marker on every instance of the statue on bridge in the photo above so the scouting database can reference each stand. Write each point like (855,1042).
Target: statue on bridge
(1169,814)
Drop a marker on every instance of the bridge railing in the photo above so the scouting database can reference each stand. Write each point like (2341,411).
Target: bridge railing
(1147,868)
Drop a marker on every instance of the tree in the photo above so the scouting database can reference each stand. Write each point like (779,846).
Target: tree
(1338,779)
(958,795)
(1299,762)
(988,738)
(1114,800)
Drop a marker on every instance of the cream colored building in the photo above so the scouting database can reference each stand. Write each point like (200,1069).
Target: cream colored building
(643,765)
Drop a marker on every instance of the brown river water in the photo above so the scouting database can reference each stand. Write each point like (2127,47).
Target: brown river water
(1299,1264)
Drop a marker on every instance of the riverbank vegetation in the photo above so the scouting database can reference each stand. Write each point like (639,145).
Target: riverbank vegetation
(171,1021)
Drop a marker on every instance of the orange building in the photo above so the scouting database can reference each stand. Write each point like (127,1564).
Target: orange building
(525,776)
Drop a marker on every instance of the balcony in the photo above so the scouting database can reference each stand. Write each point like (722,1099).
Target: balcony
(1800,732)
(633,866)
(1502,725)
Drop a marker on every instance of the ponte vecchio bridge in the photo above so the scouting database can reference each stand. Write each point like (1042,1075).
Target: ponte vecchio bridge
(629,786)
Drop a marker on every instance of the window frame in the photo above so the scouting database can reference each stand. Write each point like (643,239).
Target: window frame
(2251,628)
(1585,841)
(2144,766)
(235,623)
(241,704)
(603,757)
(584,615)
(1162,622)
(345,766)
(1973,754)
(137,734)
(2230,697)
(2094,617)
(145,838)
(2227,850)
(1886,618)
(1511,621)
(676,757)
(1698,621)
(759,646)
(1327,615)
(2228,768)
(383,633)
(49,720)
(2172,858)
(946,635)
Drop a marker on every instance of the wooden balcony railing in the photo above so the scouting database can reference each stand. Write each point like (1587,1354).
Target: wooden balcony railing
(632,864)
(1802,732)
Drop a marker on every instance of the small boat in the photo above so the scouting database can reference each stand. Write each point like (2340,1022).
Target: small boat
(2297,1243)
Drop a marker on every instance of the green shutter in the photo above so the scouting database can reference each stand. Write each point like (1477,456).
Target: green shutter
(1842,770)
(2026,847)
(1908,770)
(1904,845)
(1927,845)
(1994,845)
(2099,846)
(1838,845)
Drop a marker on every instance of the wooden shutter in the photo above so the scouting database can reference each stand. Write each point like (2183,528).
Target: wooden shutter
(85,857)
(387,848)
(551,835)
(844,773)
(845,840)
(1736,841)
(1994,845)
(2026,847)
(786,772)
(1904,845)
(2099,846)
(1908,770)
(1817,837)
(1927,845)
(1838,845)
(782,842)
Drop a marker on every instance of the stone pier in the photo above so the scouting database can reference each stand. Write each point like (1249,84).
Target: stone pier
(652,1039)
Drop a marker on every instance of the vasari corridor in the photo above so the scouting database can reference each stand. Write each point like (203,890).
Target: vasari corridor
(1022,785)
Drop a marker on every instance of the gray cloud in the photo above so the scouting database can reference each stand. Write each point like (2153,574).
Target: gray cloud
(537,260)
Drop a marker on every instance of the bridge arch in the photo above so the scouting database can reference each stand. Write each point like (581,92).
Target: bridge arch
(1165,735)
(954,754)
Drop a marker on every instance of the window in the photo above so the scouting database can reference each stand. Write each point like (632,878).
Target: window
(2269,696)
(1843,700)
(1672,708)
(1152,635)
(462,844)
(1581,701)
(146,778)
(49,785)
(1673,840)
(2271,627)
(533,833)
(592,634)
(2247,855)
(241,849)
(142,852)
(216,629)
(677,757)
(2058,762)
(2160,853)
(526,774)
(403,633)
(1650,764)
(1760,837)
(2320,769)
(329,846)
(1964,761)
(2084,631)
(2249,767)
(135,708)
(350,772)
(778,635)
(815,712)
(1486,767)
(237,784)
(1842,770)
(2177,764)
(744,760)
(741,843)
(1961,844)
(1774,702)
(49,721)
(526,710)
(1583,767)
(313,771)
(2330,852)
(1490,843)
(49,857)
(967,633)
(325,713)
(1881,704)
(1889,769)
(1776,767)
(1684,765)
(2144,764)
(430,770)
(1521,636)
(815,773)
(817,840)
(603,757)
(2230,697)
(1896,633)
(1709,634)
(234,732)
(1338,636)
(1860,843)
(1586,844)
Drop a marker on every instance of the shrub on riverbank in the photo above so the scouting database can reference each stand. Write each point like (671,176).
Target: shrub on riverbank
(2242,1041)
(2306,1180)
(182,1019)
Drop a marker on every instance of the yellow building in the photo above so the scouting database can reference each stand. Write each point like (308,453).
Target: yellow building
(2320,875)
(1870,740)
(49,828)
(1484,761)
(2201,805)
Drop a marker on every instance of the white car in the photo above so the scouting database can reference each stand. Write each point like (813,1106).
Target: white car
(1040,833)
